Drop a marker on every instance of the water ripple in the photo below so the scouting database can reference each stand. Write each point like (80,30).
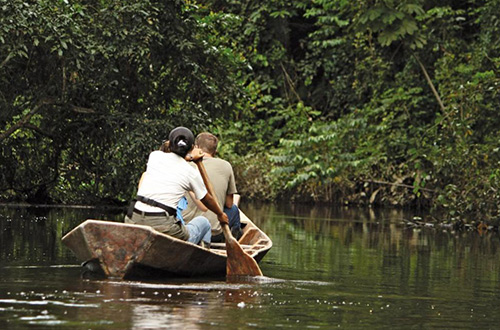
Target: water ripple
(47,302)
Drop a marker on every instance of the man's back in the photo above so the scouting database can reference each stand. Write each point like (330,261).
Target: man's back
(220,173)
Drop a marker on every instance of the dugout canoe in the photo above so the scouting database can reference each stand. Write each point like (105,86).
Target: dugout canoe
(119,250)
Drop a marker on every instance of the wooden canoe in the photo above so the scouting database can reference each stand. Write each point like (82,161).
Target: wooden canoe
(119,250)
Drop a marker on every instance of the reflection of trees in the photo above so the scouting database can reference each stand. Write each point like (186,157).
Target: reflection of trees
(365,251)
(374,245)
(33,235)
(168,305)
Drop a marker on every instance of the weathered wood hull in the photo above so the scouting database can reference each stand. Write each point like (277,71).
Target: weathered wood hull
(120,250)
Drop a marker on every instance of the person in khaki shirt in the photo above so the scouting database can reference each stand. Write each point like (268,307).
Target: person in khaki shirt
(162,187)
(220,173)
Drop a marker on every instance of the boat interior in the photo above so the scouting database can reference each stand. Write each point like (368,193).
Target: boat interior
(252,241)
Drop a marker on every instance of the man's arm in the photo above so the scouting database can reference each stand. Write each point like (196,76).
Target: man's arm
(212,205)
(229,201)
(197,202)
(140,180)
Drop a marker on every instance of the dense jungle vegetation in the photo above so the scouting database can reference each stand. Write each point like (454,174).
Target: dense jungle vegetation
(375,102)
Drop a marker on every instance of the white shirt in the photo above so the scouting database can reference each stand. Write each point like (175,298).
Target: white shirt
(167,178)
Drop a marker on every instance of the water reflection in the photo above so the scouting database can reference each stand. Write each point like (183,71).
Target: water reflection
(329,267)
(184,305)
(32,235)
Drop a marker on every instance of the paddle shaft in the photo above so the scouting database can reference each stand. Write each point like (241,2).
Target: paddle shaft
(209,186)
(238,261)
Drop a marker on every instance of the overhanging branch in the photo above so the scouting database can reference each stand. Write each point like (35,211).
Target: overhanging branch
(402,185)
(23,121)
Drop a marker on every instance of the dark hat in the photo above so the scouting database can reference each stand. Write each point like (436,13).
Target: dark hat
(181,140)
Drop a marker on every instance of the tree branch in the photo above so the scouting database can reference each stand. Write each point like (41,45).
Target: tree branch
(398,185)
(40,131)
(7,59)
(81,109)
(23,121)
(290,82)
(429,81)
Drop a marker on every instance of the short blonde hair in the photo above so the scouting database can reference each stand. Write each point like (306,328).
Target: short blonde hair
(207,142)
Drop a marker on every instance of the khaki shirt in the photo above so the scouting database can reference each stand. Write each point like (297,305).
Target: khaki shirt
(221,175)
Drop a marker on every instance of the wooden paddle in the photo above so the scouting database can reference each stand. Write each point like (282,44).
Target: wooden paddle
(239,263)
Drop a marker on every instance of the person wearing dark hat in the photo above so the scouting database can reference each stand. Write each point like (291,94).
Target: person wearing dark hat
(160,196)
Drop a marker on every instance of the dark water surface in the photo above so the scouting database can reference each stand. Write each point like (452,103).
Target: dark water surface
(329,268)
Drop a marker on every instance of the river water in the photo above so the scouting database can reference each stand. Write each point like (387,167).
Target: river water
(329,268)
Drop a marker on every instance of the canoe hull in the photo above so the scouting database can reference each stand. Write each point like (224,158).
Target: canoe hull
(120,250)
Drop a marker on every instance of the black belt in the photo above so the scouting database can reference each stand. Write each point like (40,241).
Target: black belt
(168,210)
(150,214)
(149,201)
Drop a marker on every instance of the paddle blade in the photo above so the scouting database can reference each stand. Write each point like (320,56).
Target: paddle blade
(239,263)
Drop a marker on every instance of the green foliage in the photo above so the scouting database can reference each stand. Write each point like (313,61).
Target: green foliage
(377,102)
(393,21)
(97,85)
(381,135)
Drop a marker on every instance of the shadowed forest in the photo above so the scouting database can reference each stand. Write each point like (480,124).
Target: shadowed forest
(377,102)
